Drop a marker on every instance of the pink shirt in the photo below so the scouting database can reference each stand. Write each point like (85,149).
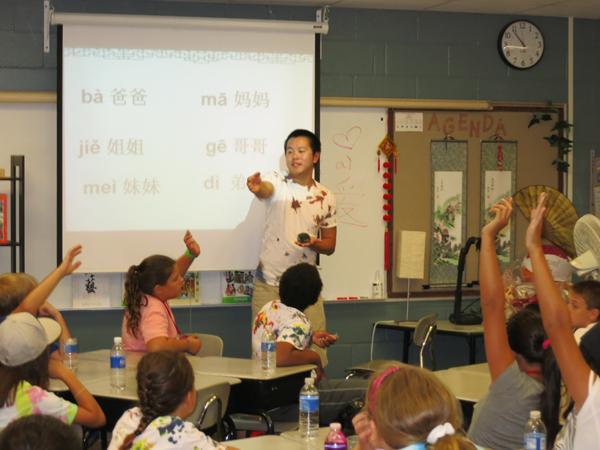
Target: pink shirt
(156,320)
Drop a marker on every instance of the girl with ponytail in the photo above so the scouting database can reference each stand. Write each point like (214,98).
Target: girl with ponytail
(165,385)
(148,323)
(519,356)
(410,408)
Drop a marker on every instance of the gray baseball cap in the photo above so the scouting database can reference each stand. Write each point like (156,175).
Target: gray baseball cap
(23,338)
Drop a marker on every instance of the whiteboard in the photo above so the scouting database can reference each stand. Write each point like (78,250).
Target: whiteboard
(350,137)
(349,167)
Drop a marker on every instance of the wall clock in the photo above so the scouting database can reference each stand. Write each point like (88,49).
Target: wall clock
(521,44)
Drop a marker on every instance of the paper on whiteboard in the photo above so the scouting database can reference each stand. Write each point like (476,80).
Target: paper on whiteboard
(412,121)
(411,259)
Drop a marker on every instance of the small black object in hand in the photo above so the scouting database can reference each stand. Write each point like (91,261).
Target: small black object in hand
(303,238)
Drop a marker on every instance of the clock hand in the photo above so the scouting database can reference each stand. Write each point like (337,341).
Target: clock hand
(520,40)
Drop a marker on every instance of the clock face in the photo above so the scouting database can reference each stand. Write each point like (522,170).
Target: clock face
(521,44)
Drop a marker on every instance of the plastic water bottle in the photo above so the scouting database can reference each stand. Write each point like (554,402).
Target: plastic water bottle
(377,286)
(336,440)
(535,432)
(268,355)
(70,350)
(117,365)
(308,422)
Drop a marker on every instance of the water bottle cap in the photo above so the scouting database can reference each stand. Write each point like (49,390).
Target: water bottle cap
(72,341)
(335,426)
(117,340)
(535,414)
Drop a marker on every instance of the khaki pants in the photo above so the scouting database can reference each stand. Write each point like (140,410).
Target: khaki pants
(264,293)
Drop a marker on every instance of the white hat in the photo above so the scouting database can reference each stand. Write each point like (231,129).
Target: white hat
(23,338)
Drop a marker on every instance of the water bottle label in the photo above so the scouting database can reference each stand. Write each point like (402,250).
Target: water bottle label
(535,441)
(267,347)
(117,362)
(309,403)
(335,446)
(71,348)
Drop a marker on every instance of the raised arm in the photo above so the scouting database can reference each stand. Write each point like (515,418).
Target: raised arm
(42,291)
(262,189)
(192,252)
(499,354)
(555,314)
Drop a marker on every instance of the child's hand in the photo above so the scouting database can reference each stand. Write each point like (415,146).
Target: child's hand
(323,338)
(69,265)
(194,344)
(56,368)
(253,182)
(363,425)
(191,244)
(533,236)
(502,212)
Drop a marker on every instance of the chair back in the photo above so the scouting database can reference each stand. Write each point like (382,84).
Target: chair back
(423,336)
(212,345)
(211,405)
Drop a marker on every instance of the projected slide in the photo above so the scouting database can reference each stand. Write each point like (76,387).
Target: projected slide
(161,131)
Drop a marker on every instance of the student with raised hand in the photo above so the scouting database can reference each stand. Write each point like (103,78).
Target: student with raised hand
(579,366)
(38,296)
(165,385)
(20,292)
(515,352)
(25,367)
(409,408)
(149,323)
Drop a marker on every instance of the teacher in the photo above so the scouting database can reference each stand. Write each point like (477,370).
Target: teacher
(296,204)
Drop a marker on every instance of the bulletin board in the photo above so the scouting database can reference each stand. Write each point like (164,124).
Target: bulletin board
(414,183)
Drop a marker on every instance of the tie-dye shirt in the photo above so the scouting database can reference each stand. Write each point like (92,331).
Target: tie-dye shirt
(165,432)
(35,400)
(289,325)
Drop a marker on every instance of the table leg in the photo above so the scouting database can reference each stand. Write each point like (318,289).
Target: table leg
(472,349)
(406,348)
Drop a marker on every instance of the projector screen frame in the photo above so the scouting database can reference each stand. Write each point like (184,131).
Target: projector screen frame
(316,28)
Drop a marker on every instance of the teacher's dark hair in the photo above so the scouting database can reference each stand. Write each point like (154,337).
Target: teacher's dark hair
(315,143)
(300,286)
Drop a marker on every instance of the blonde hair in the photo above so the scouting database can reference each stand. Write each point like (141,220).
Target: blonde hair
(407,402)
(14,287)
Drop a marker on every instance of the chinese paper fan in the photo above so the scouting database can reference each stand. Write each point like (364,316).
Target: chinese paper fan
(560,217)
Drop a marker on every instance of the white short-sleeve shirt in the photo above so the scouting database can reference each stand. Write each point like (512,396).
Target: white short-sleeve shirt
(288,324)
(292,209)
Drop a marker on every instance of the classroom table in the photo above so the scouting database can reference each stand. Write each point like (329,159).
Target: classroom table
(289,440)
(253,390)
(467,383)
(469,332)
(259,391)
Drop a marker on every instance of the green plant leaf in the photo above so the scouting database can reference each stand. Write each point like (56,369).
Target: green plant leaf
(535,119)
(562,125)
(552,140)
